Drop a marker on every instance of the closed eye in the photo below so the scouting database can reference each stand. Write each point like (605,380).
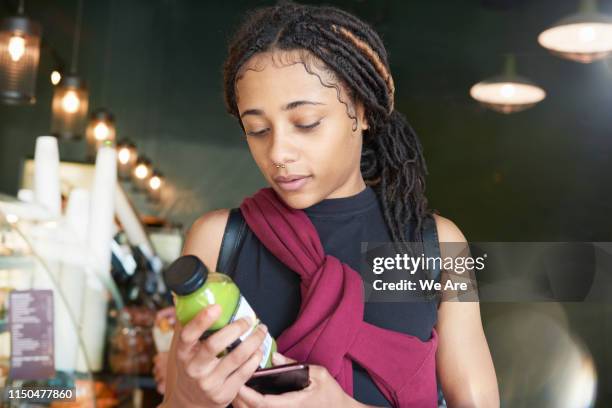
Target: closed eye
(257,133)
(311,126)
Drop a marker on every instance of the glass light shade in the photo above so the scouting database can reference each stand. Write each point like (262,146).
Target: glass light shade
(19,56)
(585,37)
(70,105)
(126,158)
(582,37)
(507,94)
(155,185)
(141,173)
(100,129)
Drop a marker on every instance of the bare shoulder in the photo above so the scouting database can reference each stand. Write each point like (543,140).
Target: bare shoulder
(448,230)
(205,236)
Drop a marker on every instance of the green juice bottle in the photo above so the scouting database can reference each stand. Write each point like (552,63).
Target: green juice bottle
(194,288)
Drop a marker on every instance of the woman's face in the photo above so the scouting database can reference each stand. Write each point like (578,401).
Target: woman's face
(291,119)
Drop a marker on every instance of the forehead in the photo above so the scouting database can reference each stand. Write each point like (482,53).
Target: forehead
(279,76)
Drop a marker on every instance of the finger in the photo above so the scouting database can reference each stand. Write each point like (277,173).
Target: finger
(250,397)
(243,352)
(279,359)
(287,399)
(219,341)
(161,388)
(223,338)
(190,334)
(165,313)
(239,403)
(233,384)
(241,375)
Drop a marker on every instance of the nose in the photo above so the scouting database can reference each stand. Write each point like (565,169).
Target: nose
(283,148)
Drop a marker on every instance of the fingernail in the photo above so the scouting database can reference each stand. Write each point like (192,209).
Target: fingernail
(212,309)
(248,320)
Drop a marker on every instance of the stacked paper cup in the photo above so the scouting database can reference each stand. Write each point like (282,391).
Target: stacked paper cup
(46,175)
(71,279)
(101,218)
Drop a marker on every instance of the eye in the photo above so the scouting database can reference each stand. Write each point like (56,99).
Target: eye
(257,133)
(310,126)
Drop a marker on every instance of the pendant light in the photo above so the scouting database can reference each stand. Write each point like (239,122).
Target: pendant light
(155,185)
(141,173)
(507,93)
(71,97)
(100,129)
(126,158)
(583,37)
(19,56)
(55,77)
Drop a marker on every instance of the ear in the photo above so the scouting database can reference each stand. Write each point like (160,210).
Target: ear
(361,116)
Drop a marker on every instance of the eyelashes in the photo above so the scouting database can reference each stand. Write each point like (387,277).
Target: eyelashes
(301,127)
(311,126)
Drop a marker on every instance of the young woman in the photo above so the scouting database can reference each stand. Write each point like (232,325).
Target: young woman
(313,92)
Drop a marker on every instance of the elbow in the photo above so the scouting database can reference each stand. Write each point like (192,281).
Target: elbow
(473,395)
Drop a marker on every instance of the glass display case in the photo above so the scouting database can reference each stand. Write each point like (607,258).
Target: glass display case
(91,345)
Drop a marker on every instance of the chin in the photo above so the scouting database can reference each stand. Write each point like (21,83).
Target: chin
(297,200)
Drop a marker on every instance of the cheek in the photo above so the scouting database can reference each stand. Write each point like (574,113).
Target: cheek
(258,151)
(339,153)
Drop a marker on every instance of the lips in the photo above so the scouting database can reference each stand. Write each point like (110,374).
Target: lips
(291,182)
(286,179)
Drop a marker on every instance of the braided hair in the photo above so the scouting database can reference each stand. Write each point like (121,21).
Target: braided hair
(352,54)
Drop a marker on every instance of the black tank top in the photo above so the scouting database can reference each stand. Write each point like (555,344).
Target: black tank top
(273,290)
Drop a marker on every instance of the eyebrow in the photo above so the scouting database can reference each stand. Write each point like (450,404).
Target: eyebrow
(289,106)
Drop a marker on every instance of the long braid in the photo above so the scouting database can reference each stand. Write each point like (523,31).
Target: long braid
(353,54)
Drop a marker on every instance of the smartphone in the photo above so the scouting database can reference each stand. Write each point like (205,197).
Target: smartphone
(280,379)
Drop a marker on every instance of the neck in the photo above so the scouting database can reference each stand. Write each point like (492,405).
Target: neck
(354,185)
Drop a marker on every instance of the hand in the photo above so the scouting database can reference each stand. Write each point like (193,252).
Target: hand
(168,313)
(160,362)
(323,391)
(202,379)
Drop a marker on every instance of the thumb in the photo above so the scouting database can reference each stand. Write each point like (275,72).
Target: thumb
(279,359)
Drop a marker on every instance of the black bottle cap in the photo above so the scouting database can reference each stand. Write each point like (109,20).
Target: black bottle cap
(186,275)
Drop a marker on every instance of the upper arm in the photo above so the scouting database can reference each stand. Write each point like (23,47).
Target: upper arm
(205,236)
(463,359)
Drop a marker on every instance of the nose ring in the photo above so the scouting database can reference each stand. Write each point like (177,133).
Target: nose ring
(279,166)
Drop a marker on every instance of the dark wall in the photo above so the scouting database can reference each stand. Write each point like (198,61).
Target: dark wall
(543,174)
(540,174)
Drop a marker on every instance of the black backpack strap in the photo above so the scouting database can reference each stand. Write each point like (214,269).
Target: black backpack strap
(431,249)
(232,241)
(431,244)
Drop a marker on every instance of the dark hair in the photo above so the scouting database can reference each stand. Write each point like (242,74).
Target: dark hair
(352,53)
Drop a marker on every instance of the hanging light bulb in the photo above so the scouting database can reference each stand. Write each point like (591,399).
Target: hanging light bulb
(126,158)
(142,173)
(583,37)
(70,101)
(101,128)
(19,56)
(154,186)
(69,106)
(507,93)
(70,97)
(56,77)
(16,47)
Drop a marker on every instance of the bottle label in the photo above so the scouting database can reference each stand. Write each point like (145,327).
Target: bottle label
(243,310)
